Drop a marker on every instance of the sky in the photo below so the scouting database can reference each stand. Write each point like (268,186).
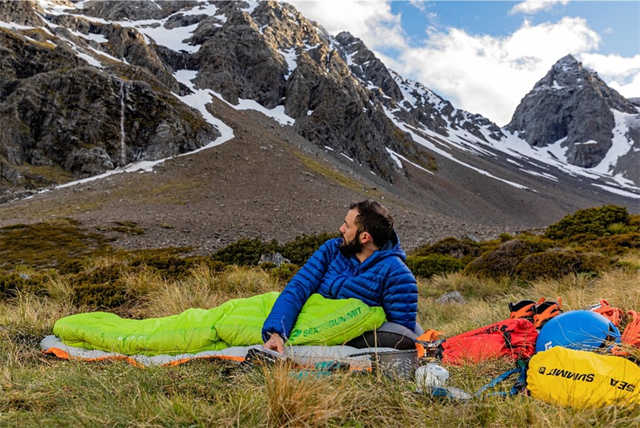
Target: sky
(485,56)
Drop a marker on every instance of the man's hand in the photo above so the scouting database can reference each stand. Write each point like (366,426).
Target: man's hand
(275,343)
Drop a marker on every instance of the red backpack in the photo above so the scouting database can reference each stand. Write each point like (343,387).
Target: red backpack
(514,338)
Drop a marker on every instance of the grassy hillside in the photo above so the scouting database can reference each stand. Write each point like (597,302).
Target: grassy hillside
(82,273)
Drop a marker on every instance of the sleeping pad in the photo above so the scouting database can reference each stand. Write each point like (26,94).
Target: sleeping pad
(237,322)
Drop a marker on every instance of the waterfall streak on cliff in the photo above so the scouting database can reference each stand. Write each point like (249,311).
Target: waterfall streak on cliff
(123,146)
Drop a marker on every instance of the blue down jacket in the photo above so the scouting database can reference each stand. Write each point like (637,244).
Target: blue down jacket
(381,280)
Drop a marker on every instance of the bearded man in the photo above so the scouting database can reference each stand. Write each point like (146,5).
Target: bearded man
(367,263)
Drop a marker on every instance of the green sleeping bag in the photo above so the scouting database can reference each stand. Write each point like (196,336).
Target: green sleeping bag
(237,322)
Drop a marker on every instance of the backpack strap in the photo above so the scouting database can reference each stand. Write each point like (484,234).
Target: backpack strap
(546,310)
(517,388)
(522,309)
(630,336)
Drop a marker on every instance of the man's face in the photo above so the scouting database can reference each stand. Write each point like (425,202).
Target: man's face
(350,235)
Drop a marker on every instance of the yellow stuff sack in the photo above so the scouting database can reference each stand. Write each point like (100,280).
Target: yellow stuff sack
(582,379)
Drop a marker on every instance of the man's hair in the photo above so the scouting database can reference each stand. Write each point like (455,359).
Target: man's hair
(375,219)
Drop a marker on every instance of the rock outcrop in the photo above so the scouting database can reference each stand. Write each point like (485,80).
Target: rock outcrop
(276,56)
(65,118)
(571,103)
(22,12)
(135,10)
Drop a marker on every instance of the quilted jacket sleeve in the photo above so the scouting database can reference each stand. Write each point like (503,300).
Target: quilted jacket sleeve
(400,296)
(306,282)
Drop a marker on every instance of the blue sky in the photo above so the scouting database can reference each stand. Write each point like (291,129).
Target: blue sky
(484,56)
(617,22)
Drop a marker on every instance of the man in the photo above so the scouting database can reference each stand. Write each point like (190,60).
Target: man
(367,263)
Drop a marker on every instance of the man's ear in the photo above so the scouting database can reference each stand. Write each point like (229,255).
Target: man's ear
(365,237)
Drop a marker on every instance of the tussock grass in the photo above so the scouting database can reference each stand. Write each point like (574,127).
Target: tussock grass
(301,401)
(39,390)
(205,289)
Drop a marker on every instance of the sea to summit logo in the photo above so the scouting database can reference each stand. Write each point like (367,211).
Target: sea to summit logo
(541,370)
(567,374)
(294,334)
(333,322)
(620,384)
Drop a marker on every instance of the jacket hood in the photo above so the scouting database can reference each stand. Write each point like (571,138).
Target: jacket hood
(393,247)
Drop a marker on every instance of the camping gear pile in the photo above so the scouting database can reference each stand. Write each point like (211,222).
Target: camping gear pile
(576,358)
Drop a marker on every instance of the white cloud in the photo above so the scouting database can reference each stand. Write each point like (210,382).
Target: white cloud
(621,74)
(371,21)
(490,75)
(531,7)
(418,4)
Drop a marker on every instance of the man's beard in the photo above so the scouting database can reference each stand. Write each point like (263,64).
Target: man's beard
(353,247)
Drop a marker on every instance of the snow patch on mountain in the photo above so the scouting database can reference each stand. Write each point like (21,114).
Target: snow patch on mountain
(416,94)
(397,157)
(428,144)
(622,144)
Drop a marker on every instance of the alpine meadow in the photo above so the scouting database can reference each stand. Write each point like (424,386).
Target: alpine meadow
(43,390)
(173,157)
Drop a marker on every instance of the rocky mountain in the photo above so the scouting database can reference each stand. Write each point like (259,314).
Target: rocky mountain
(88,87)
(335,89)
(572,106)
(66,115)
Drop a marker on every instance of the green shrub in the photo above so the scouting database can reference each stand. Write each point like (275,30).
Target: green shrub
(12,283)
(72,267)
(102,275)
(555,264)
(503,260)
(100,296)
(216,265)
(102,288)
(433,264)
(246,252)
(48,245)
(174,267)
(504,237)
(588,223)
(464,249)
(284,272)
(302,248)
(490,245)
(615,245)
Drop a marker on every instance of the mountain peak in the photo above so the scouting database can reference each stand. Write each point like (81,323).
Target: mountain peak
(567,72)
(568,61)
(573,107)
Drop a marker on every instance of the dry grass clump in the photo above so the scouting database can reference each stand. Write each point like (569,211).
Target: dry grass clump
(619,287)
(204,288)
(293,400)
